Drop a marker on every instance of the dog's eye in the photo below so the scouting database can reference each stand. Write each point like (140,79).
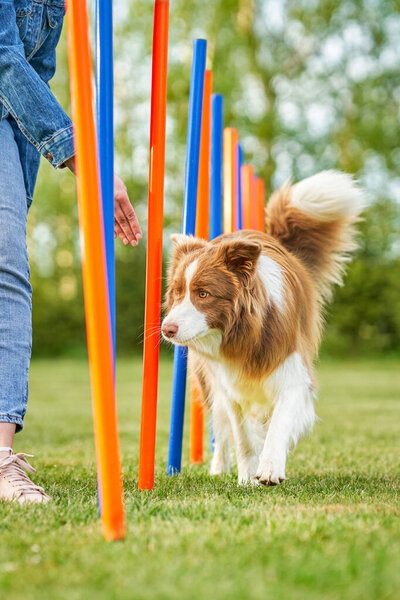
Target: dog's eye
(203,294)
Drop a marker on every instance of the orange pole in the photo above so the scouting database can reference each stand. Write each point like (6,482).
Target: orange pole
(196,424)
(260,191)
(94,274)
(254,212)
(229,149)
(154,246)
(203,192)
(235,161)
(247,182)
(202,230)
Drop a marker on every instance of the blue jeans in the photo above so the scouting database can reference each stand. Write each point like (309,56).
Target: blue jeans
(29,34)
(15,289)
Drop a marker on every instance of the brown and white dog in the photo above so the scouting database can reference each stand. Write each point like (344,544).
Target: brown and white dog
(248,305)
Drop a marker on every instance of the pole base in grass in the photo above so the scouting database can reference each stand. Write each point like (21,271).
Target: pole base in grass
(171,471)
(114,534)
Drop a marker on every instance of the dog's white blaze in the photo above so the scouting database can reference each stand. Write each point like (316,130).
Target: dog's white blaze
(190,271)
(272,278)
(190,321)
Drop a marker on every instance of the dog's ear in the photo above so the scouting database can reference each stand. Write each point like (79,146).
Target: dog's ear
(183,244)
(240,257)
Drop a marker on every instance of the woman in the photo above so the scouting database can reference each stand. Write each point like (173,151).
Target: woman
(32,123)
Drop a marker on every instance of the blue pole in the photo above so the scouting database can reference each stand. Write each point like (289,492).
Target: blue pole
(188,227)
(217,126)
(105,133)
(216,190)
(177,410)
(240,164)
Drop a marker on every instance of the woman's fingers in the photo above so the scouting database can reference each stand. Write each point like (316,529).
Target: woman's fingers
(125,232)
(128,220)
(118,232)
(127,226)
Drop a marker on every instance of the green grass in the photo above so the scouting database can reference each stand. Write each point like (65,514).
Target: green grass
(330,531)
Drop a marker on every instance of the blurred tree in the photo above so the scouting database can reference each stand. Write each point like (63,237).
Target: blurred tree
(309,85)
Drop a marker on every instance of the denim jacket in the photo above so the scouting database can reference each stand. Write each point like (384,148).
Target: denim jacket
(29,33)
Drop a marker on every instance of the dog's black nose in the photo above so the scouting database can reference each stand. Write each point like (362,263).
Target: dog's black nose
(169,329)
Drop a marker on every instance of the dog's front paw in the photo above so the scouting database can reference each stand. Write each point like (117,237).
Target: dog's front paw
(271,471)
(246,471)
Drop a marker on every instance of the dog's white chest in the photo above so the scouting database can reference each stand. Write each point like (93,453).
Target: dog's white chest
(246,393)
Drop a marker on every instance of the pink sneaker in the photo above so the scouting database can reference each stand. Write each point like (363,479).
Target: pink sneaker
(15,485)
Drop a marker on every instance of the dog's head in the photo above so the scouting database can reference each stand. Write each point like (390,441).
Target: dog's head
(205,281)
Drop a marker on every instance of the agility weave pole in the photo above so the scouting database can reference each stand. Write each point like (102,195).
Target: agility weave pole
(247,174)
(203,196)
(154,246)
(235,171)
(202,231)
(105,135)
(188,227)
(239,184)
(230,191)
(254,213)
(97,311)
(216,183)
(260,203)
(105,140)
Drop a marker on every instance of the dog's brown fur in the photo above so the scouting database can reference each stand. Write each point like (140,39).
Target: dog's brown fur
(321,246)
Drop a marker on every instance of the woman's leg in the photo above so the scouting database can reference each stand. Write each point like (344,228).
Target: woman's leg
(15,324)
(7,432)
(15,290)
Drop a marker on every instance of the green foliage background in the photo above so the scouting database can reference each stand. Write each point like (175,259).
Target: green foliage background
(309,85)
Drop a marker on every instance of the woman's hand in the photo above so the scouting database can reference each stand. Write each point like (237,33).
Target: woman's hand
(126,224)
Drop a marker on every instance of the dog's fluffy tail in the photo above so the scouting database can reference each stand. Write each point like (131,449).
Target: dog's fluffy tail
(314,220)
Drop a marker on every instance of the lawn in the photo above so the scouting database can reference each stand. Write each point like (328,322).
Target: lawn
(331,531)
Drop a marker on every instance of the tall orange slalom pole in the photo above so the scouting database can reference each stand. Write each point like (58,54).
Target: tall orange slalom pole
(260,195)
(154,245)
(230,187)
(94,274)
(203,194)
(254,212)
(247,182)
(196,424)
(202,231)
